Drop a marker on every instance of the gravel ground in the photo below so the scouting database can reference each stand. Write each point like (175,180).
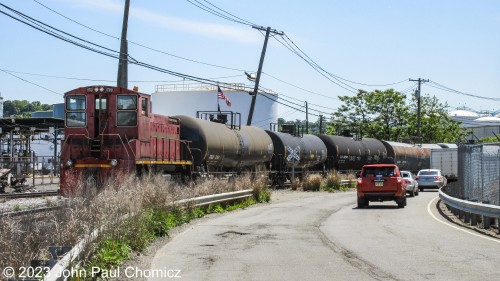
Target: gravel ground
(10,205)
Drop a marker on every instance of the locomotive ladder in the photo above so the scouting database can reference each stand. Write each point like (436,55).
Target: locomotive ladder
(95,148)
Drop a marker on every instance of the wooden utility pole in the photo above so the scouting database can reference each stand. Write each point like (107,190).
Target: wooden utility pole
(419,80)
(122,80)
(259,71)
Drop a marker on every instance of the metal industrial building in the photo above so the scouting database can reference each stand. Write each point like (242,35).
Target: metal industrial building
(187,99)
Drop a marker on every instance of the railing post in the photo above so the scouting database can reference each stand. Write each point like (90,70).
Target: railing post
(473,221)
(486,222)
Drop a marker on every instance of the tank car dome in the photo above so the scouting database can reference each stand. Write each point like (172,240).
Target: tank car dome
(463,113)
(488,119)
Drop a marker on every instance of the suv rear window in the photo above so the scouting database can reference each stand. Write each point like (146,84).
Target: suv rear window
(383,171)
(428,173)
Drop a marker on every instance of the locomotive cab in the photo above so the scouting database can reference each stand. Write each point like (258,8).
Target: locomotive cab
(111,131)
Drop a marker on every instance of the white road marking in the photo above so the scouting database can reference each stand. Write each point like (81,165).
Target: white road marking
(454,226)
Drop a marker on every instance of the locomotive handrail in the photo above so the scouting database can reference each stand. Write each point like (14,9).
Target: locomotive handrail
(128,155)
(481,209)
(128,143)
(72,256)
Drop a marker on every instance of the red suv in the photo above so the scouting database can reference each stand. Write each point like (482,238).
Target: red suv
(381,182)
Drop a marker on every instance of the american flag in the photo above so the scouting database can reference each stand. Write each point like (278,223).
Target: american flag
(221,95)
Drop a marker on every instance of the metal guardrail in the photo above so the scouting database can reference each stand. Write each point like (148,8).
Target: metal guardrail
(481,209)
(72,256)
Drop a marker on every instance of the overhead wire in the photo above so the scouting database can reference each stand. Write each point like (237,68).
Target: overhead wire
(213,12)
(29,82)
(192,60)
(133,61)
(104,80)
(445,88)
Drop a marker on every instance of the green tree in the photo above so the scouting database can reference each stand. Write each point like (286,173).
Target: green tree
(390,115)
(23,108)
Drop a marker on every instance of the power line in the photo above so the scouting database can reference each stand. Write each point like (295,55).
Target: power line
(218,14)
(184,58)
(24,80)
(104,80)
(136,62)
(83,25)
(445,88)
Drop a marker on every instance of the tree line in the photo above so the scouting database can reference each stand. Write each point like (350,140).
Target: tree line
(390,115)
(23,108)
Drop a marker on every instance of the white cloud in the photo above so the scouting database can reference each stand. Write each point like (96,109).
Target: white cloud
(210,30)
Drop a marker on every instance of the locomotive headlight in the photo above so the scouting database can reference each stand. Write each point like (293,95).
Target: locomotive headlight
(113,162)
(69,163)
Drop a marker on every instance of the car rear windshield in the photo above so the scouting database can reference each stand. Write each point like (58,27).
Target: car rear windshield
(405,175)
(381,171)
(428,173)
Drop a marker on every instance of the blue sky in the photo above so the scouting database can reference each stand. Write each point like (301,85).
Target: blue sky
(454,43)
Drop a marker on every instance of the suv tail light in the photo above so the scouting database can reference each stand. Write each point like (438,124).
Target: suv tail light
(360,181)
(416,177)
(438,178)
(400,180)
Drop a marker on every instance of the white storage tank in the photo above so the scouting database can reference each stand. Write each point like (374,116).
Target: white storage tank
(187,99)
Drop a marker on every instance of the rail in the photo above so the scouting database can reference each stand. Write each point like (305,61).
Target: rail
(481,209)
(30,211)
(28,195)
(72,256)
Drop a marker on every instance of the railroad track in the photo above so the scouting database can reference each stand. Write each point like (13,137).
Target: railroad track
(40,210)
(28,194)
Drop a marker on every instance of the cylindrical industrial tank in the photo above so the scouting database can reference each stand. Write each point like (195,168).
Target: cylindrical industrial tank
(347,154)
(375,150)
(408,157)
(311,150)
(257,146)
(189,98)
(344,153)
(221,147)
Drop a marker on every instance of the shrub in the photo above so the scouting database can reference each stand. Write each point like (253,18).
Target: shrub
(332,181)
(312,182)
(295,184)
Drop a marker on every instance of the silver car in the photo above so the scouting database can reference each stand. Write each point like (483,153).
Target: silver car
(430,178)
(410,182)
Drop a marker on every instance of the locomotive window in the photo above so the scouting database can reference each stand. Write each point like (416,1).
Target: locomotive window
(128,102)
(76,102)
(76,119)
(100,104)
(126,118)
(145,106)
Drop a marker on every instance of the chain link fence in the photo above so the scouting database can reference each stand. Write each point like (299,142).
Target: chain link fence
(478,174)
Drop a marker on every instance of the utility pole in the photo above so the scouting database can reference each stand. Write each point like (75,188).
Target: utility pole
(122,80)
(257,79)
(419,80)
(321,124)
(307,118)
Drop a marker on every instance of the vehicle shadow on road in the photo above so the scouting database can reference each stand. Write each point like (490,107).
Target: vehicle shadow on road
(379,207)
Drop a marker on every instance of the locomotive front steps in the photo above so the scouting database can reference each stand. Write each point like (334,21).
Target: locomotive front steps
(95,148)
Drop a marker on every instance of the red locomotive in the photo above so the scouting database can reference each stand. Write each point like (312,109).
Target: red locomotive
(111,131)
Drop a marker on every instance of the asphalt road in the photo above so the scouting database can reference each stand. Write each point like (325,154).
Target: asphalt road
(326,237)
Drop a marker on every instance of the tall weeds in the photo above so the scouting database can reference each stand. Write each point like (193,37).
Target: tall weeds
(130,211)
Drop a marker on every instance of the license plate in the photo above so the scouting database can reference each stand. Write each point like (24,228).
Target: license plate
(379,183)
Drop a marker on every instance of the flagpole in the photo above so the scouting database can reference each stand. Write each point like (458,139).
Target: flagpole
(217,96)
